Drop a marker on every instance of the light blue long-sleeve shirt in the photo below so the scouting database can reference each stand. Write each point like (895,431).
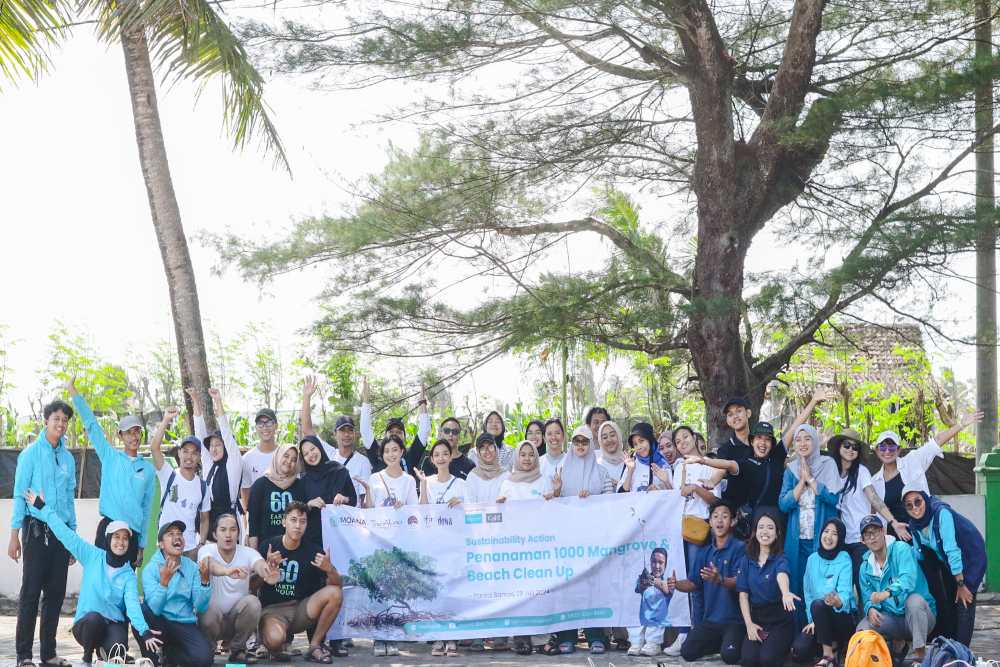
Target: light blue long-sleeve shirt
(111,593)
(947,550)
(829,576)
(126,482)
(183,598)
(900,576)
(50,472)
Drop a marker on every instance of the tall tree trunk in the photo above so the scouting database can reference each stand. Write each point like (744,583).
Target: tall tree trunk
(166,217)
(986,239)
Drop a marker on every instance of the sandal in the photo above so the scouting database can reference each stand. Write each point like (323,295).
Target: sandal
(56,661)
(826,662)
(566,648)
(320,654)
(551,648)
(337,648)
(242,658)
(522,648)
(26,663)
(438,649)
(451,650)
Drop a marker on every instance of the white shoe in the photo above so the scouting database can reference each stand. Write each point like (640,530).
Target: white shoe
(675,648)
(634,649)
(650,649)
(378,649)
(391,648)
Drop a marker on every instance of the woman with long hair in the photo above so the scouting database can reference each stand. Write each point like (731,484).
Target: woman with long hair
(554,434)
(766,600)
(848,450)
(534,433)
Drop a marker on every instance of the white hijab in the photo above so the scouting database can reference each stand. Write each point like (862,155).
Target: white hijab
(823,468)
(582,472)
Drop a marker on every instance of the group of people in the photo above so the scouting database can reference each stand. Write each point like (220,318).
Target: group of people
(788,550)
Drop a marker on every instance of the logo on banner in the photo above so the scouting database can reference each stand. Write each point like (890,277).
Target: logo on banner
(494,517)
(413,521)
(474,518)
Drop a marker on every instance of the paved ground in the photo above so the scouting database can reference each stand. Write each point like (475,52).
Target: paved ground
(986,644)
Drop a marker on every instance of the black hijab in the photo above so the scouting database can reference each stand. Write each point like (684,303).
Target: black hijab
(219,475)
(111,559)
(830,554)
(325,479)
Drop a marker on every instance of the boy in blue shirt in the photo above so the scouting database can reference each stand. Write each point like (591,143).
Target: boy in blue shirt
(713,571)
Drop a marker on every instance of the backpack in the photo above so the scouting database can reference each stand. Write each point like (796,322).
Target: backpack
(197,511)
(867,649)
(944,651)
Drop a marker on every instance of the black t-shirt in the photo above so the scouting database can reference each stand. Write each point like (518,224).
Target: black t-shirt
(735,449)
(267,506)
(298,578)
(761,480)
(894,498)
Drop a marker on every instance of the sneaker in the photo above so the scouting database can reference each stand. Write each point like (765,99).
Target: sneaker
(634,649)
(597,647)
(348,643)
(675,648)
(379,649)
(650,649)
(391,648)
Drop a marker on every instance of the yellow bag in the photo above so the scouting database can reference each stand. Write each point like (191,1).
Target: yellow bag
(695,530)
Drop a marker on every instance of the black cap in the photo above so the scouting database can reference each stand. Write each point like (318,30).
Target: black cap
(342,421)
(763,428)
(485,439)
(190,440)
(742,401)
(177,523)
(396,422)
(869,521)
(266,412)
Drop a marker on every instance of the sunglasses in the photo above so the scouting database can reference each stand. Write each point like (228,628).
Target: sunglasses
(914,504)
(451,431)
(888,447)
(264,422)
(850,444)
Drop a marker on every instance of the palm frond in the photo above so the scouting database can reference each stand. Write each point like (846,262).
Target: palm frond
(27,29)
(189,40)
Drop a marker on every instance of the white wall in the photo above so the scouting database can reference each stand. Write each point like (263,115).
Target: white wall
(88,517)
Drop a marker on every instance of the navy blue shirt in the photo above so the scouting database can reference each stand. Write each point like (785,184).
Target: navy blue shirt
(761,582)
(721,605)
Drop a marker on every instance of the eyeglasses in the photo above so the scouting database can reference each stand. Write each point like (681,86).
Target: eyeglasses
(851,445)
(914,504)
(451,431)
(888,446)
(263,423)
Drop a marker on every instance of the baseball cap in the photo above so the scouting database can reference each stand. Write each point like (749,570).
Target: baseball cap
(177,523)
(889,435)
(115,526)
(266,412)
(485,439)
(343,421)
(129,421)
(190,440)
(763,428)
(582,432)
(869,521)
(736,400)
(395,422)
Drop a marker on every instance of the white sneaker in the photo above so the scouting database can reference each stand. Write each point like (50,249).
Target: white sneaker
(675,648)
(650,649)
(634,649)
(378,649)
(391,648)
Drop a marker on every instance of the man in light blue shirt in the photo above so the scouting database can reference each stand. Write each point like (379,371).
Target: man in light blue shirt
(47,467)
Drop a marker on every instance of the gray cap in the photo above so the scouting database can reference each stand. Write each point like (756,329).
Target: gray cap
(129,421)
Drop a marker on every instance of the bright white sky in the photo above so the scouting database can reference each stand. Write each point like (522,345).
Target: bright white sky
(79,245)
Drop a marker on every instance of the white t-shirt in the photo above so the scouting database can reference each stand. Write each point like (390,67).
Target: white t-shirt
(640,478)
(227,591)
(615,470)
(548,468)
(358,466)
(479,490)
(402,488)
(525,490)
(182,502)
(854,506)
(255,464)
(441,492)
(696,474)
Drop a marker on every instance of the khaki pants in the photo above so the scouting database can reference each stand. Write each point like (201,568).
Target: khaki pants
(236,625)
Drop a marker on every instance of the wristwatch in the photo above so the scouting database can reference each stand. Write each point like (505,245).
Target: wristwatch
(960,581)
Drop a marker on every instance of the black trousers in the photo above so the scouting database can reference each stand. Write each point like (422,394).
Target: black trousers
(831,628)
(780,628)
(93,630)
(101,541)
(954,620)
(857,551)
(44,576)
(710,638)
(183,643)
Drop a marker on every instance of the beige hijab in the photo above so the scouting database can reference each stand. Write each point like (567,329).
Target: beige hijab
(617,457)
(274,474)
(533,472)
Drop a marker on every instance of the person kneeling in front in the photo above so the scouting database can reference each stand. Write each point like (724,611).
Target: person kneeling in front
(233,612)
(307,594)
(894,594)
(176,590)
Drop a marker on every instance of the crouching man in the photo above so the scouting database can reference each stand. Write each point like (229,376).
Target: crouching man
(308,591)
(233,611)
(176,590)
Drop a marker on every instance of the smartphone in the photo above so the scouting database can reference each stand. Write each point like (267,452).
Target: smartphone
(763,634)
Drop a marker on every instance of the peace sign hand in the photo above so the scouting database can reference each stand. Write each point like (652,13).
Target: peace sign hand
(629,461)
(557,481)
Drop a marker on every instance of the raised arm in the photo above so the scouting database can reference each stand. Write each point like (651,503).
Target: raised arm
(424,419)
(726,465)
(94,431)
(366,427)
(156,442)
(942,437)
(200,427)
(305,413)
(821,394)
(74,544)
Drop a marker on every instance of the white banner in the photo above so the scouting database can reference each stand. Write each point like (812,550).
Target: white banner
(427,572)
